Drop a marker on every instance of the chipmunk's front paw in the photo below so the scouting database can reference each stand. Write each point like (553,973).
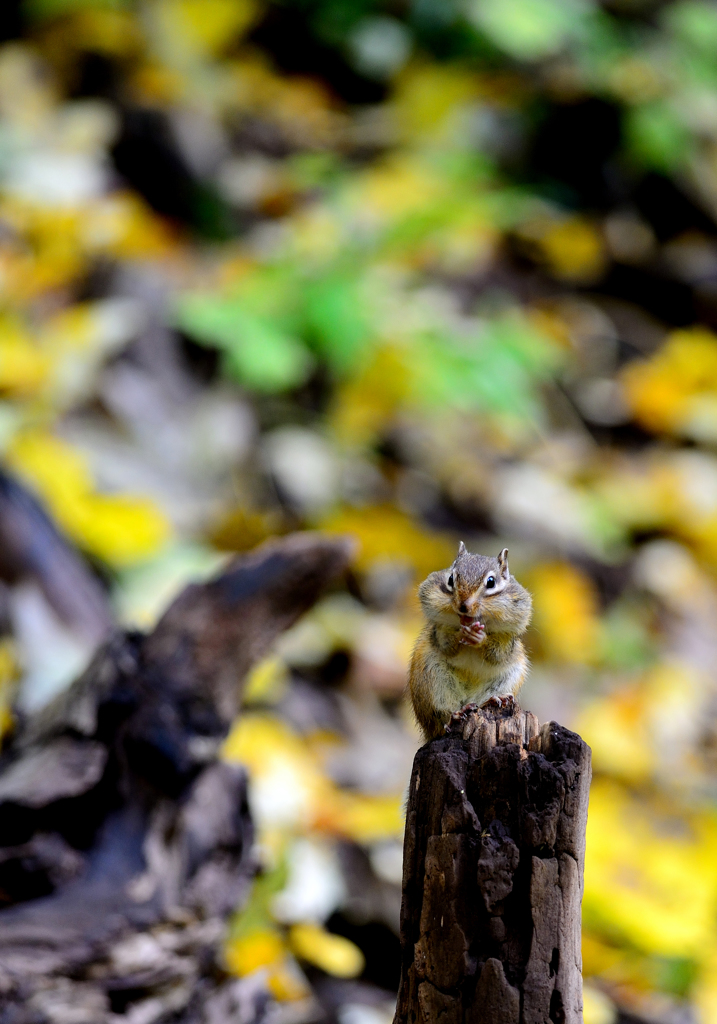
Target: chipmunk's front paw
(472,633)
(507,703)
(460,715)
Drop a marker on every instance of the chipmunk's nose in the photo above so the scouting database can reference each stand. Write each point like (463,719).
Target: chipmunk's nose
(462,608)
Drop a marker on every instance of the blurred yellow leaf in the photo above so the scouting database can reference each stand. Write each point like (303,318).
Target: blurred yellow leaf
(598,956)
(203,26)
(302,107)
(367,400)
(52,245)
(650,872)
(675,391)
(572,247)
(428,98)
(565,612)
(618,732)
(367,819)
(267,681)
(23,365)
(667,491)
(120,529)
(72,328)
(642,493)
(626,972)
(384,532)
(398,187)
(288,790)
(703,536)
(10,673)
(261,948)
(332,953)
(106,31)
(704,994)
(316,234)
(265,949)
(123,226)
(51,255)
(241,529)
(154,83)
(287,983)
(635,731)
(597,1007)
(548,320)
(94,28)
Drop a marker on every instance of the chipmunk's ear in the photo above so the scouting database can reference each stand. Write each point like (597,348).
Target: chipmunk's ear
(461,550)
(503,563)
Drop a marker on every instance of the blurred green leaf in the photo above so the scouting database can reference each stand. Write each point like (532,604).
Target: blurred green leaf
(313,170)
(694,23)
(257,352)
(54,8)
(337,319)
(257,911)
(529,29)
(496,369)
(675,974)
(657,137)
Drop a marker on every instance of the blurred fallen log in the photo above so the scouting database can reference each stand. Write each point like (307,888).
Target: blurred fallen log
(493,875)
(125,843)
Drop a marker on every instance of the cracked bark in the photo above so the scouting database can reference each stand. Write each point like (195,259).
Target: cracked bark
(493,875)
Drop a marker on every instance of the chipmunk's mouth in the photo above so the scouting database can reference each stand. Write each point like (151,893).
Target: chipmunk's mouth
(471,620)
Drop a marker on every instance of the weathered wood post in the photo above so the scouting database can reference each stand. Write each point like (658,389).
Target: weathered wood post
(493,875)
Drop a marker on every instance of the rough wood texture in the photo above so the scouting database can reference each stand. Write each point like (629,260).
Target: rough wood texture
(124,842)
(492,875)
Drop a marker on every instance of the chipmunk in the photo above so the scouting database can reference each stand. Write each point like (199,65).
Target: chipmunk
(469,654)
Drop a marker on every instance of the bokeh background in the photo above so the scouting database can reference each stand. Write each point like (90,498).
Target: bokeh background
(418,270)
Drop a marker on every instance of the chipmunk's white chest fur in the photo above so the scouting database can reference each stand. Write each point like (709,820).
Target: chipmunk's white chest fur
(471,670)
(471,679)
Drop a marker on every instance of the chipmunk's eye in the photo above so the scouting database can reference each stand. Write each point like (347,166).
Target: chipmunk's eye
(450,582)
(490,583)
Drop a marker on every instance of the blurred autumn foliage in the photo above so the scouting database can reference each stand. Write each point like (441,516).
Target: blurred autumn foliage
(421,271)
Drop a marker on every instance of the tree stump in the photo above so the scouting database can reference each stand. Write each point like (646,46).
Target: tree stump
(493,874)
